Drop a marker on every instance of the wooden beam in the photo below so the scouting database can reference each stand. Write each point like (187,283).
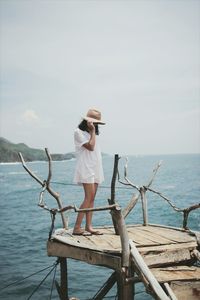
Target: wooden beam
(87,255)
(169,291)
(106,287)
(142,269)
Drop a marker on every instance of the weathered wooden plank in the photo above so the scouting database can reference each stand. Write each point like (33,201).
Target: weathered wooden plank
(153,236)
(87,255)
(176,273)
(167,257)
(162,248)
(173,233)
(140,238)
(87,242)
(174,236)
(186,290)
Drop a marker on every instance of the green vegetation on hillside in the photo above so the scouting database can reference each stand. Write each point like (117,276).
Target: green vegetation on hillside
(9,153)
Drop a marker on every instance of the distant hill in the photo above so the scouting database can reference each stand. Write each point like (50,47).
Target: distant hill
(9,153)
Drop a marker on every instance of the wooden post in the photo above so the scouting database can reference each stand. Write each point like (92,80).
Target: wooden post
(119,219)
(124,288)
(63,279)
(112,200)
(144,206)
(125,291)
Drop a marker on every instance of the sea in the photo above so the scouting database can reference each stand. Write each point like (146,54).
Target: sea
(26,272)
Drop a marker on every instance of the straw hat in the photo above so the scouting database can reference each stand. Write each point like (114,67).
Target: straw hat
(94,116)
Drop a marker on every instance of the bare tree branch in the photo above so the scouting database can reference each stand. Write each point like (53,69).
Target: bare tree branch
(76,209)
(155,170)
(46,184)
(128,182)
(50,166)
(165,198)
(29,171)
(186,212)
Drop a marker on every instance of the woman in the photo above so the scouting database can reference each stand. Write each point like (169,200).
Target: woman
(89,170)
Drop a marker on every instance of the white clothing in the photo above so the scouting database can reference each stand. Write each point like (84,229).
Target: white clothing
(89,163)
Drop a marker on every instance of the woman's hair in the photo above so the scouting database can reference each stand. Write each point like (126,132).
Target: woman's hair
(83,126)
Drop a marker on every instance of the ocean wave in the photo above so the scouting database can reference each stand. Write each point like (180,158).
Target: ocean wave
(16,173)
(167,187)
(10,163)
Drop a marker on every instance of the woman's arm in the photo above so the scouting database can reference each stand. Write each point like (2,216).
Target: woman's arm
(91,143)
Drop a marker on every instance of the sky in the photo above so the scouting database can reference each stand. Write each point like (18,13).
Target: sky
(138,62)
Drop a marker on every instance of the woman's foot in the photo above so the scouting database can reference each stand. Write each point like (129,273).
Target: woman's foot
(93,231)
(81,232)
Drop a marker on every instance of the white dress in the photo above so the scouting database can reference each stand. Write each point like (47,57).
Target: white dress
(89,163)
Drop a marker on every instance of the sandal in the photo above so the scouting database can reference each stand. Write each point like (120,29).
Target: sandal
(83,233)
(96,232)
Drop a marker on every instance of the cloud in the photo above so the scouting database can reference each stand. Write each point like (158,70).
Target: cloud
(30,116)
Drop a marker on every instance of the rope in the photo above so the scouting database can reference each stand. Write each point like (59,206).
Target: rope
(41,196)
(37,287)
(53,217)
(100,186)
(19,281)
(53,281)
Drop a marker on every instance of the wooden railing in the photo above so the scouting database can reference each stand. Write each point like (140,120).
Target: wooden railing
(142,191)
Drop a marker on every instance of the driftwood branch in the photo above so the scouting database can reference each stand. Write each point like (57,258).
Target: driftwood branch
(144,205)
(130,205)
(155,170)
(46,185)
(127,181)
(142,193)
(114,177)
(186,212)
(118,217)
(50,166)
(113,182)
(29,171)
(165,198)
(76,209)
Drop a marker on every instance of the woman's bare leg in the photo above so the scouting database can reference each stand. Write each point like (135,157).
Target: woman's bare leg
(89,215)
(90,192)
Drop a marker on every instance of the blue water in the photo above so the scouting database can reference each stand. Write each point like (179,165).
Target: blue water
(24,226)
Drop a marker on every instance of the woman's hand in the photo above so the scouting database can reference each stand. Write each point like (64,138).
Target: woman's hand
(90,126)
(91,144)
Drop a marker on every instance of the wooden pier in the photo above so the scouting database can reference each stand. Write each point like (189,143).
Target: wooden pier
(168,253)
(165,259)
